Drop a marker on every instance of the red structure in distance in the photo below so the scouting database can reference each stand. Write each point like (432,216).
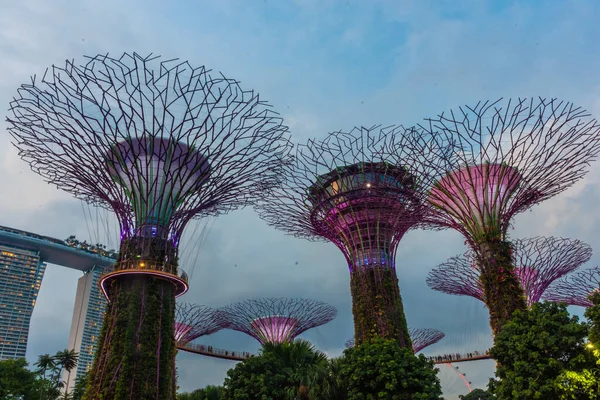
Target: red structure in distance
(193,321)
(499,159)
(538,262)
(575,289)
(421,338)
(276,320)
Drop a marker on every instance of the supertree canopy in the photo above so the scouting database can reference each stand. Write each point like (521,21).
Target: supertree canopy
(538,262)
(158,143)
(506,156)
(193,321)
(343,190)
(276,320)
(420,338)
(575,289)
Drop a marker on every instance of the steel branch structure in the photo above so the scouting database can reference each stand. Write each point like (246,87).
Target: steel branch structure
(575,289)
(344,190)
(421,338)
(538,262)
(506,157)
(193,321)
(158,143)
(276,320)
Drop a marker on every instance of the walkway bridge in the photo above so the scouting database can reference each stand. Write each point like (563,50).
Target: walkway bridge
(211,351)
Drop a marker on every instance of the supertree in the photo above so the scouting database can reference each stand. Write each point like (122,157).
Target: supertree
(343,190)
(538,262)
(575,289)
(193,321)
(276,320)
(159,143)
(420,337)
(506,156)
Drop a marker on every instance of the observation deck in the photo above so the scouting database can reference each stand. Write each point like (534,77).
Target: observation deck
(56,251)
(155,269)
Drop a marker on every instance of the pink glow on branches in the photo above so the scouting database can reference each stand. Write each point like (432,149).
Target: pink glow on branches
(540,261)
(476,196)
(551,143)
(421,338)
(193,321)
(273,320)
(575,289)
(274,329)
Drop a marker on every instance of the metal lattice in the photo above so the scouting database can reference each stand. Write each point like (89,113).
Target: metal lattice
(575,289)
(421,338)
(276,320)
(193,321)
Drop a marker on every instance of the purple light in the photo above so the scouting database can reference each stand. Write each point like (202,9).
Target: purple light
(575,289)
(421,338)
(166,173)
(475,196)
(181,331)
(274,329)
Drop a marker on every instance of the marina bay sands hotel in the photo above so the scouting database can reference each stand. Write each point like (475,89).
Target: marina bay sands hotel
(23,258)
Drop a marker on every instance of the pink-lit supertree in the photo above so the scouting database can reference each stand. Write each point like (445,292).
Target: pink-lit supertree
(342,189)
(575,289)
(421,338)
(158,142)
(276,320)
(506,157)
(193,321)
(538,262)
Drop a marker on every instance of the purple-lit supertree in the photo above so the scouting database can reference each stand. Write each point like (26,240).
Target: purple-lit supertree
(343,190)
(506,157)
(420,337)
(538,262)
(276,320)
(575,289)
(193,321)
(159,143)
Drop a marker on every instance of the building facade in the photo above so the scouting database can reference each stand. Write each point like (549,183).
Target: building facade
(21,273)
(88,314)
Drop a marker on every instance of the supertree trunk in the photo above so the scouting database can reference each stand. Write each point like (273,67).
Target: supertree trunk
(377,306)
(137,344)
(502,291)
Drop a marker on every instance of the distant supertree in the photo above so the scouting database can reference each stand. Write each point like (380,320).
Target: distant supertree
(193,321)
(158,143)
(538,262)
(276,320)
(505,158)
(575,289)
(343,190)
(420,338)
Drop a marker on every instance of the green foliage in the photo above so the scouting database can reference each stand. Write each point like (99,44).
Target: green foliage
(283,371)
(79,388)
(377,306)
(584,385)
(502,292)
(593,315)
(16,381)
(381,369)
(330,385)
(208,393)
(477,394)
(535,348)
(136,351)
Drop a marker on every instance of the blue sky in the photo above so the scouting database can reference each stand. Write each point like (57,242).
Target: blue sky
(324,65)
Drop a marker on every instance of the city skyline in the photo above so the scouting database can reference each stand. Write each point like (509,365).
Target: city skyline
(325,66)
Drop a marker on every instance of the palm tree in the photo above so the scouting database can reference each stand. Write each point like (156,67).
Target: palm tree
(302,363)
(66,359)
(45,362)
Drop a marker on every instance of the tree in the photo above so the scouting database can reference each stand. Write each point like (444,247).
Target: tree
(44,364)
(79,389)
(281,371)
(593,315)
(477,394)
(16,381)
(331,386)
(208,393)
(535,348)
(381,369)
